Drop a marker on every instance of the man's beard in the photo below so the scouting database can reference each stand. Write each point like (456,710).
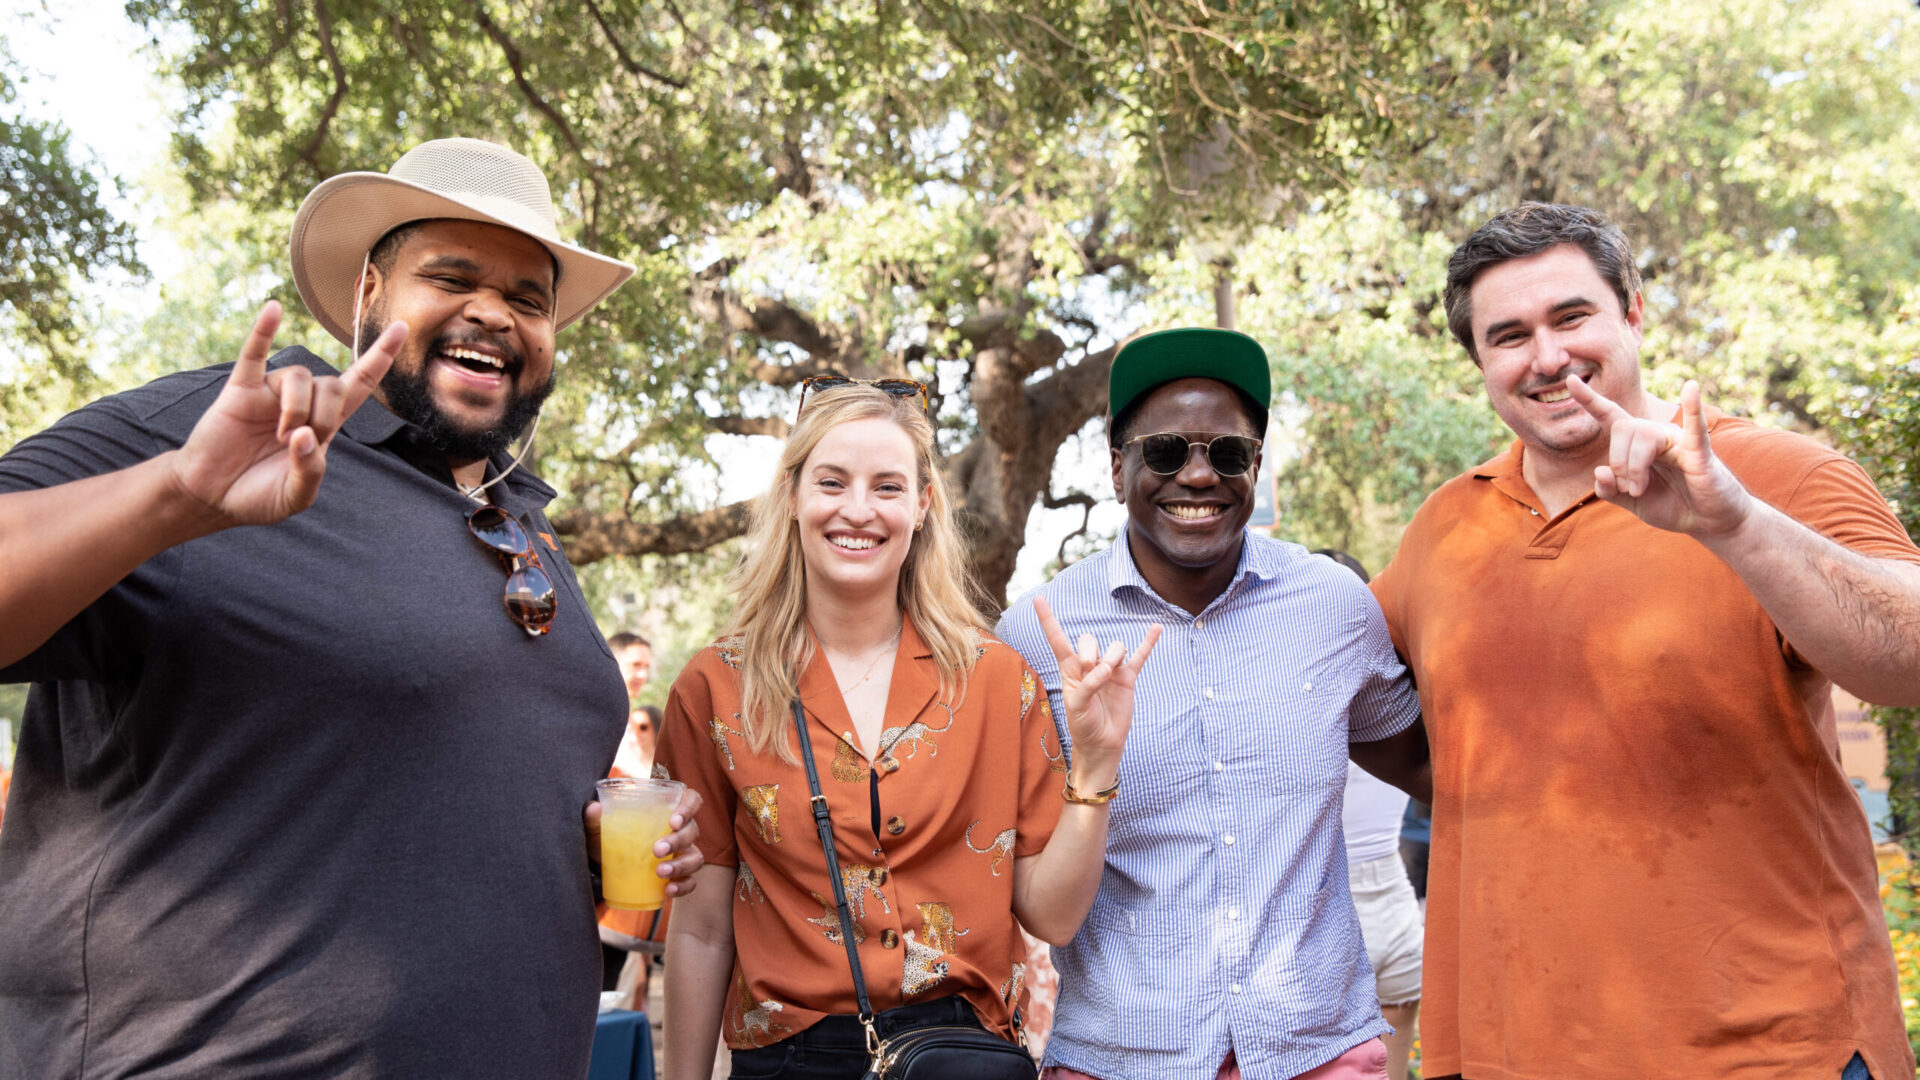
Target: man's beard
(411,399)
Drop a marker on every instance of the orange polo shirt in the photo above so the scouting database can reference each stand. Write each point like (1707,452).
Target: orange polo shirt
(963,792)
(1646,858)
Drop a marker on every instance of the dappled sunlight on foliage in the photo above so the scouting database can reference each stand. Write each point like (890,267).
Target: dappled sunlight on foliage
(1898,885)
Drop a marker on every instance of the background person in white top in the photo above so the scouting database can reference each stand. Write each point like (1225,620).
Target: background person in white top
(1390,918)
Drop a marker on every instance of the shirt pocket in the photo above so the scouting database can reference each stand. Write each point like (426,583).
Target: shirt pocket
(1292,733)
(1129,970)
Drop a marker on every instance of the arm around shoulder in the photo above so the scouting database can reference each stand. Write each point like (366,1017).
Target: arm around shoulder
(1403,760)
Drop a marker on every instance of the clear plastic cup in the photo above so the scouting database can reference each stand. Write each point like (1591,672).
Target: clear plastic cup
(634,814)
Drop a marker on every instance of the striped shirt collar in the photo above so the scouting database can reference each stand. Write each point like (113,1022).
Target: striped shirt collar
(1258,562)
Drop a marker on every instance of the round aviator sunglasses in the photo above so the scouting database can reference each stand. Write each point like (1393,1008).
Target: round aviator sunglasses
(530,599)
(1166,452)
(819,384)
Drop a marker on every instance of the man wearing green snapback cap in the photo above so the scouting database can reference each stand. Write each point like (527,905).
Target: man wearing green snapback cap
(1223,942)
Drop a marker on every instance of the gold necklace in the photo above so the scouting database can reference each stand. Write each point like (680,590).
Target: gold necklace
(892,647)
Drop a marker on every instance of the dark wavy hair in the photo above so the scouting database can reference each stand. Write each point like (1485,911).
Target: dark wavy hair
(1529,229)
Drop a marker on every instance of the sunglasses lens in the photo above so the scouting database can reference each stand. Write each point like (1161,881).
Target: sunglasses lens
(899,387)
(496,528)
(1231,455)
(1164,453)
(529,598)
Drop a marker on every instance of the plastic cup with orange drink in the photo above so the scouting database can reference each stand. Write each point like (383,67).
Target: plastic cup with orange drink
(635,813)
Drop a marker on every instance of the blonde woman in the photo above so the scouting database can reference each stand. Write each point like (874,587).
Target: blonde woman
(953,809)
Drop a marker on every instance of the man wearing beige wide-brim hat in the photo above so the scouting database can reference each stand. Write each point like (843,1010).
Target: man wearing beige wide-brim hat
(317,704)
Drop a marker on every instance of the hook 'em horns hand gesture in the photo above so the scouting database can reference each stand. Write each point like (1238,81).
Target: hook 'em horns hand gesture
(1096,688)
(258,454)
(1666,475)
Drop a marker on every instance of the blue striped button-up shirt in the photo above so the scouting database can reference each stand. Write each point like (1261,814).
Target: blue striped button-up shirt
(1223,919)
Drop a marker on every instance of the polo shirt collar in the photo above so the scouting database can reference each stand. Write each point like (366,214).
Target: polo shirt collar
(373,424)
(1504,469)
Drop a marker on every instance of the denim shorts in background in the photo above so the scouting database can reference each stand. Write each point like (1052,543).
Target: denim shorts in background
(1856,1070)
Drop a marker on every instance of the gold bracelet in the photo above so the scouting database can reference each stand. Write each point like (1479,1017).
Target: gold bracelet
(1098,798)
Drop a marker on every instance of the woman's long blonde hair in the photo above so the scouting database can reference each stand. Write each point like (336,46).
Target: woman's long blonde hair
(769,586)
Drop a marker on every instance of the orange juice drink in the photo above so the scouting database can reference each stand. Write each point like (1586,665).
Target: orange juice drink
(634,814)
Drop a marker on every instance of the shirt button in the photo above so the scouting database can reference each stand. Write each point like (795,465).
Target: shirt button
(1199,623)
(1227,839)
(1209,693)
(1233,913)
(1235,988)
(891,940)
(878,854)
(1218,765)
(895,826)
(880,875)
(1308,688)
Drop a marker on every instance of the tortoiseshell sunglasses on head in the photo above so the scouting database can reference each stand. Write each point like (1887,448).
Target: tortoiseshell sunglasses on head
(896,387)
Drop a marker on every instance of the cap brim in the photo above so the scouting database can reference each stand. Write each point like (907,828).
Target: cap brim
(347,214)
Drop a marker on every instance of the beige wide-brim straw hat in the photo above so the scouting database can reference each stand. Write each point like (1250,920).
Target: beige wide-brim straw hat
(466,179)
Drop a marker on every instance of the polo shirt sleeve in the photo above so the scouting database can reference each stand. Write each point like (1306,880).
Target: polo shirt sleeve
(685,750)
(105,642)
(1839,501)
(1384,702)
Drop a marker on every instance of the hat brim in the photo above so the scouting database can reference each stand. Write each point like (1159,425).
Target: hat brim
(347,214)
(1151,360)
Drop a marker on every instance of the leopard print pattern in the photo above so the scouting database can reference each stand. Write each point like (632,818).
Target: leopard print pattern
(761,802)
(937,920)
(923,967)
(860,880)
(829,921)
(1001,847)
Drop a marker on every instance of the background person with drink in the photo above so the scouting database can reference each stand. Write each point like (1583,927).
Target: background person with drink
(937,756)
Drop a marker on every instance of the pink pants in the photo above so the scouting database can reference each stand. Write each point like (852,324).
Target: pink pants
(1368,1061)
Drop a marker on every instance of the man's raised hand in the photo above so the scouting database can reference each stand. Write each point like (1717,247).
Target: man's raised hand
(1097,689)
(258,454)
(1666,475)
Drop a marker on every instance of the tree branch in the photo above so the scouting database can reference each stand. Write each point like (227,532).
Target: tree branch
(1080,499)
(750,425)
(765,317)
(517,65)
(633,66)
(310,153)
(591,537)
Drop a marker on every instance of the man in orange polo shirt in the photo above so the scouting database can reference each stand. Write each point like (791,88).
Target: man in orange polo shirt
(1646,861)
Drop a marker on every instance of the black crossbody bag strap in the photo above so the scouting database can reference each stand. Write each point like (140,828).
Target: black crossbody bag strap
(824,823)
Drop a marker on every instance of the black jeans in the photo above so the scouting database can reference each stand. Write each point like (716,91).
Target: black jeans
(836,1048)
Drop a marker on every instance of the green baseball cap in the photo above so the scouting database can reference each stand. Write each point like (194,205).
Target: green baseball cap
(1195,352)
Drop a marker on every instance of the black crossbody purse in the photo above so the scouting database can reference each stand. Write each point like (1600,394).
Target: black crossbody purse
(934,1052)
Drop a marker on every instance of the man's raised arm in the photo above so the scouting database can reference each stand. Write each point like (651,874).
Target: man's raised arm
(1854,617)
(256,457)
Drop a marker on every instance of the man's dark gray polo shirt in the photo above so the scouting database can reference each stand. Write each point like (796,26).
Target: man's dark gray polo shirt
(300,800)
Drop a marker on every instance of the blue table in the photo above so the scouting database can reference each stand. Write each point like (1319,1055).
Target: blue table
(622,1047)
